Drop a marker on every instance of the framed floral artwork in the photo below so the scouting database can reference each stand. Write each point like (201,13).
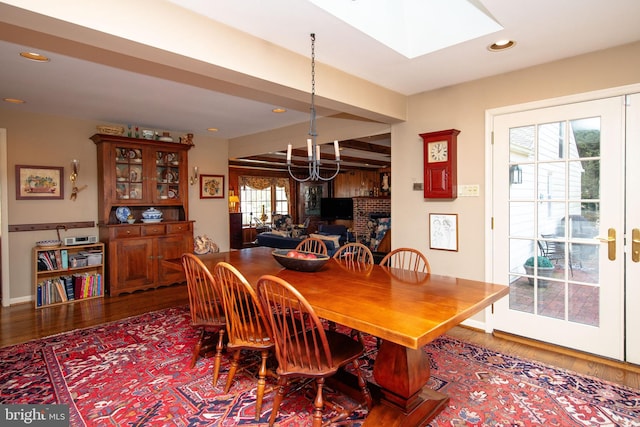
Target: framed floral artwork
(39,182)
(211,186)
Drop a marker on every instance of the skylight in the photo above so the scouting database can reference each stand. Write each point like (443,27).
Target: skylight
(414,27)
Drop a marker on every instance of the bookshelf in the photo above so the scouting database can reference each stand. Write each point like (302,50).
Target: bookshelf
(67,274)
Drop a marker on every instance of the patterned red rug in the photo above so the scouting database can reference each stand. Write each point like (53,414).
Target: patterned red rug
(135,373)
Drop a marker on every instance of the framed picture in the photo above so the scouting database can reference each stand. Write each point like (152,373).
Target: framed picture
(39,182)
(212,186)
(443,232)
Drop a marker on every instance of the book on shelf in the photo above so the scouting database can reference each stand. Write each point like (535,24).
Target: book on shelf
(68,287)
(64,259)
(44,260)
(51,255)
(51,260)
(62,292)
(39,295)
(87,285)
(58,259)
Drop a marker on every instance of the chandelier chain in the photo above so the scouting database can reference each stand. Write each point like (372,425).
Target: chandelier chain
(312,143)
(312,125)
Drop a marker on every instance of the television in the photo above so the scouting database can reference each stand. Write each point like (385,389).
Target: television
(336,208)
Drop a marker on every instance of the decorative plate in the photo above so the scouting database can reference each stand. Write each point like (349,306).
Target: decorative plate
(49,243)
(122,213)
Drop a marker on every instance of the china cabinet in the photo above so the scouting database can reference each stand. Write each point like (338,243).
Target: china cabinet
(139,176)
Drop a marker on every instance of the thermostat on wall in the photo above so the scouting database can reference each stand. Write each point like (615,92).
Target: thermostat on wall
(80,240)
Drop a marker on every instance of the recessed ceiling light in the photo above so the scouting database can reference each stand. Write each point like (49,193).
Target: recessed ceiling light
(212,129)
(501,45)
(279,110)
(34,56)
(14,100)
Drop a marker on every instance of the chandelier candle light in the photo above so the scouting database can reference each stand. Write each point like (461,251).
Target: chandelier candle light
(313,149)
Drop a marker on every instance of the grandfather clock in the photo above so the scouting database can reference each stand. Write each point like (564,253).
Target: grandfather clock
(440,169)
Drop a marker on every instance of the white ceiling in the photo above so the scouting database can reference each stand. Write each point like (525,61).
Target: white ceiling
(545,30)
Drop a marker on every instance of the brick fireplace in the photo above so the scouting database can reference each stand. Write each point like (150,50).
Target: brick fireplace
(366,207)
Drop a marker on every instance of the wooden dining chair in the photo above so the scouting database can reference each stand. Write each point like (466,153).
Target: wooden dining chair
(313,244)
(246,324)
(354,252)
(205,303)
(406,259)
(303,347)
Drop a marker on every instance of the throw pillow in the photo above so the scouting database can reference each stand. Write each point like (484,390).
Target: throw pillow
(281,233)
(335,239)
(384,224)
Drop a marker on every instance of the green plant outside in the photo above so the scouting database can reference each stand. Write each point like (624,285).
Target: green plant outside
(543,262)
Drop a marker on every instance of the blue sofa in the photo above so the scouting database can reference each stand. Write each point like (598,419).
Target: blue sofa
(280,242)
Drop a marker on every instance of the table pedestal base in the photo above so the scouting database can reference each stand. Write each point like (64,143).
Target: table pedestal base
(402,374)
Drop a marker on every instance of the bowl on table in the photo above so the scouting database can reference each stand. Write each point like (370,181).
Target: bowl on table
(299,263)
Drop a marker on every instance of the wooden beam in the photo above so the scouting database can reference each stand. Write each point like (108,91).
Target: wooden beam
(366,146)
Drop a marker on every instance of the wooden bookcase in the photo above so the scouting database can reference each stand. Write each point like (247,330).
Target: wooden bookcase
(140,174)
(68,274)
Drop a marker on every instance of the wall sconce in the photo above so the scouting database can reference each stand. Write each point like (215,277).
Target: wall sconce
(75,168)
(194,177)
(233,201)
(515,174)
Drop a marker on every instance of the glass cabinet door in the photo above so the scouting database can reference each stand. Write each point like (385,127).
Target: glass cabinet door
(167,175)
(129,174)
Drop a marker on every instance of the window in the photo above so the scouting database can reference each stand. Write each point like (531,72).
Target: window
(261,197)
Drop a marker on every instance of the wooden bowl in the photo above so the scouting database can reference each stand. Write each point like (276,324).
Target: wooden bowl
(299,264)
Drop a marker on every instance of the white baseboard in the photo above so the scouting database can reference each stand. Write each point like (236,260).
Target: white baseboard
(477,324)
(21,300)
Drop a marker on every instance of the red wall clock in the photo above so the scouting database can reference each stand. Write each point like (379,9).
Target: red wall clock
(440,170)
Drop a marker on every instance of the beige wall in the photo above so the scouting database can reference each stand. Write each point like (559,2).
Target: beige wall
(46,140)
(463,107)
(35,139)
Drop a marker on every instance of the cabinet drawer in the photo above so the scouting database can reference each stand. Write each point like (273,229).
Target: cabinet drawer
(153,230)
(178,228)
(126,231)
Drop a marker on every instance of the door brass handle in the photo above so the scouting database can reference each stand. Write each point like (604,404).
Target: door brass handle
(610,240)
(635,245)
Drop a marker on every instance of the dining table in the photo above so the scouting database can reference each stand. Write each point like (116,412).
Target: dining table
(404,309)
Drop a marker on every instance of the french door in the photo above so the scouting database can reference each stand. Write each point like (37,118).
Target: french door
(632,230)
(564,212)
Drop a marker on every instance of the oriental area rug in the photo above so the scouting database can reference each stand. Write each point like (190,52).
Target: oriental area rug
(135,372)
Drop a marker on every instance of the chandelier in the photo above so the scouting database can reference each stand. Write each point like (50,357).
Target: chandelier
(313,149)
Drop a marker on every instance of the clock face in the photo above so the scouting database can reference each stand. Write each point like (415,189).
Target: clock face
(438,152)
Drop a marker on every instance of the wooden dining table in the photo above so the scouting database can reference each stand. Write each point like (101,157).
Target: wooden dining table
(405,309)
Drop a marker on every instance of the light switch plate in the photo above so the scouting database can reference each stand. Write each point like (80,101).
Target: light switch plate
(472,190)
(417,186)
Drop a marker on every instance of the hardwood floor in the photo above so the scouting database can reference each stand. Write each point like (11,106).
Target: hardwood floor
(21,322)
